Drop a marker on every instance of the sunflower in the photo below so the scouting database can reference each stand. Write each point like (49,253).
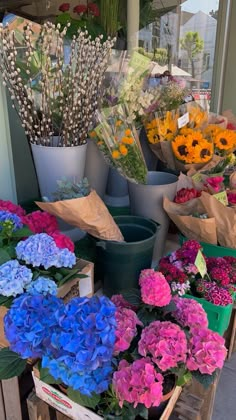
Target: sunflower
(185,131)
(197,117)
(151,125)
(225,140)
(116,154)
(167,126)
(195,138)
(202,153)
(153,136)
(180,148)
(212,130)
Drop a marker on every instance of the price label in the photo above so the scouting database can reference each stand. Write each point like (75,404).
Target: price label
(184,120)
(222,198)
(200,263)
(197,178)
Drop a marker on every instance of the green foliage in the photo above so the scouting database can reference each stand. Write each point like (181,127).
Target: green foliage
(90,24)
(6,301)
(68,190)
(10,364)
(133,296)
(192,44)
(84,400)
(46,377)
(205,380)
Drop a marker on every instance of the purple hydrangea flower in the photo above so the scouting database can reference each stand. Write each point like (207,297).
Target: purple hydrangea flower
(41,250)
(14,278)
(13,219)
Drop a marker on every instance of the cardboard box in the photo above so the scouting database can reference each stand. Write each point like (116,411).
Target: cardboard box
(81,287)
(61,402)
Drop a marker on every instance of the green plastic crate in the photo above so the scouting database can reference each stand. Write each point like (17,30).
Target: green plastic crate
(210,250)
(218,316)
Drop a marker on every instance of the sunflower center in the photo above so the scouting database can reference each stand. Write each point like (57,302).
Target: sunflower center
(223,141)
(204,153)
(194,143)
(182,150)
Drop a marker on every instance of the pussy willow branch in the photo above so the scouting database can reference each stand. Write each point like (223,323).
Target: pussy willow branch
(67,93)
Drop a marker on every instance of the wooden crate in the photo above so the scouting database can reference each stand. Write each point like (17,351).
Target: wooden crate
(81,287)
(56,399)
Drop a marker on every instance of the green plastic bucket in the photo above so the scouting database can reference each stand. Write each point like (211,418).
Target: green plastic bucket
(118,264)
(210,250)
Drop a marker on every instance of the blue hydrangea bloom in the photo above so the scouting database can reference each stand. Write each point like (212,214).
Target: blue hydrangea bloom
(41,250)
(14,278)
(42,286)
(82,347)
(6,216)
(29,322)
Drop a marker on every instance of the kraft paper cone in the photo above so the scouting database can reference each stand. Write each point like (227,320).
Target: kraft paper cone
(208,166)
(201,230)
(225,218)
(87,213)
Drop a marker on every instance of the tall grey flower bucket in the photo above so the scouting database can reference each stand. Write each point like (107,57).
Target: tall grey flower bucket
(147,200)
(54,163)
(117,190)
(96,169)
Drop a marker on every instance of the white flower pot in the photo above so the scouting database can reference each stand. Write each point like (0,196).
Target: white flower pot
(147,201)
(96,169)
(54,163)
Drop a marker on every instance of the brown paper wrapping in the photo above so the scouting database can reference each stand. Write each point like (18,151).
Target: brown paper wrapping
(87,213)
(225,218)
(219,120)
(207,167)
(202,230)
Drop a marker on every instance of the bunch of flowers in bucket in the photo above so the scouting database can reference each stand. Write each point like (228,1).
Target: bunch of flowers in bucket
(121,140)
(116,356)
(181,270)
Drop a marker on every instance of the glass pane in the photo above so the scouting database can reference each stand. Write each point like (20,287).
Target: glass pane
(180,36)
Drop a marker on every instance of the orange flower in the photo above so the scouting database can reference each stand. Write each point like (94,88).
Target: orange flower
(123,150)
(93,134)
(100,143)
(128,132)
(127,140)
(115,154)
(118,123)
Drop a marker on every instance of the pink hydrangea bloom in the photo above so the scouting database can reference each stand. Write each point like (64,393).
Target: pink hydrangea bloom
(12,208)
(154,288)
(138,383)
(165,342)
(40,222)
(189,313)
(126,323)
(206,351)
(120,302)
(63,241)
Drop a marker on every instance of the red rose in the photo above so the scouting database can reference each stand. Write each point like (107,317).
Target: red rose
(64,7)
(81,8)
(186,194)
(93,9)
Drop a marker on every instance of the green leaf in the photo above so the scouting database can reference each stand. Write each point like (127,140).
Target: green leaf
(10,364)
(146,316)
(4,256)
(203,379)
(6,301)
(169,308)
(22,233)
(47,378)
(84,400)
(133,296)
(184,379)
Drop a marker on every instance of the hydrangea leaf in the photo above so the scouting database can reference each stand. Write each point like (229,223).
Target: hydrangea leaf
(47,378)
(10,364)
(133,296)
(4,256)
(22,233)
(6,301)
(205,380)
(84,400)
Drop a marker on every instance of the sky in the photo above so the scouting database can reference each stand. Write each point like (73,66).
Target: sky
(204,5)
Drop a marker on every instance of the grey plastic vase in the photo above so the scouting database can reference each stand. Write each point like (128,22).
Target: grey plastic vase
(147,200)
(96,169)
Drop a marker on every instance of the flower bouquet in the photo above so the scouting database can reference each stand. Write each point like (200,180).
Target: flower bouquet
(80,206)
(114,356)
(123,144)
